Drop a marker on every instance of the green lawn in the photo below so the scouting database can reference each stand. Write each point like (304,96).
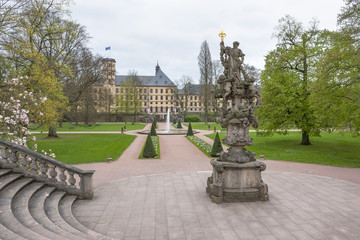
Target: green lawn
(84,148)
(92,127)
(203,126)
(333,149)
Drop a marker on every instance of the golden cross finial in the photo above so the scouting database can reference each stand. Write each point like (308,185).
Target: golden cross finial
(222,35)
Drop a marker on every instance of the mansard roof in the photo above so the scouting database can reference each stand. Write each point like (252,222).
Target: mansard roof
(159,80)
(192,89)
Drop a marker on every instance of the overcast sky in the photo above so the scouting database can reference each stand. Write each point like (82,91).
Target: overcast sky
(142,32)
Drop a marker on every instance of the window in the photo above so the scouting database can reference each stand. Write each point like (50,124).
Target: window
(161,97)
(195,97)
(190,97)
(156,97)
(140,90)
(144,90)
(156,91)
(144,97)
(161,90)
(190,103)
(140,97)
(144,103)
(150,90)
(122,90)
(195,104)
(150,97)
(117,90)
(172,98)
(182,97)
(166,98)
(172,91)
(167,90)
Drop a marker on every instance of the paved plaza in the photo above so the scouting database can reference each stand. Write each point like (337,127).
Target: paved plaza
(166,199)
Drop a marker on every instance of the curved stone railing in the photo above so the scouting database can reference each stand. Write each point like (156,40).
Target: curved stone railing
(46,169)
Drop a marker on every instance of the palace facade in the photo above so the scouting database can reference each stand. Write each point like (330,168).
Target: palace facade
(148,94)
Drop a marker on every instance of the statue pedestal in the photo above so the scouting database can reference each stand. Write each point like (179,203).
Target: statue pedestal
(237,182)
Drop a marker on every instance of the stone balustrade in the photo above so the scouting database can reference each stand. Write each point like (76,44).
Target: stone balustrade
(64,177)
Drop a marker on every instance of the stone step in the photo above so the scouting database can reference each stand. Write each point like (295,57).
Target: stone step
(7,234)
(65,209)
(8,178)
(37,210)
(20,208)
(8,219)
(51,207)
(4,171)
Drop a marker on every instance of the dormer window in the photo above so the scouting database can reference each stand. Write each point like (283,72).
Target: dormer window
(165,82)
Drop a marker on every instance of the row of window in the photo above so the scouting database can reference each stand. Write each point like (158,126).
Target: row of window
(140,90)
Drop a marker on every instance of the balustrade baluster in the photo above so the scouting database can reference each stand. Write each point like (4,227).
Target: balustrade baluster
(53,173)
(43,169)
(62,176)
(4,155)
(34,166)
(23,162)
(72,180)
(14,158)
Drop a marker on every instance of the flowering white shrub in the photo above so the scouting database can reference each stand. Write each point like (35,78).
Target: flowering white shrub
(15,102)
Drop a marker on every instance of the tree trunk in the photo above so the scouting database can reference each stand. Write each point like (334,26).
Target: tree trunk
(305,138)
(52,131)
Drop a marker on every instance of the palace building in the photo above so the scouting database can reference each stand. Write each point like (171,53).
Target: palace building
(145,94)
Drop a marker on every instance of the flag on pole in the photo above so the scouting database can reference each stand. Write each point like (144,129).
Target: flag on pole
(107,48)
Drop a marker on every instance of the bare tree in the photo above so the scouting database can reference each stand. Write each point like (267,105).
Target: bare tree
(129,101)
(86,71)
(206,76)
(185,83)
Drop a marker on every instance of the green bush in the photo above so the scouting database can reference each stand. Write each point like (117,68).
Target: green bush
(179,124)
(217,147)
(153,131)
(190,131)
(149,150)
(191,119)
(174,121)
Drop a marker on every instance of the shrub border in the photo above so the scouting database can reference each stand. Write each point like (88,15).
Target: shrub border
(207,153)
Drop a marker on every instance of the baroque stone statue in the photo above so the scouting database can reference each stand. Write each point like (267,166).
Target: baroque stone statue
(237,167)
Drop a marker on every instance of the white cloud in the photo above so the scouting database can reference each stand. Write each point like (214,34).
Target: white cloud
(142,32)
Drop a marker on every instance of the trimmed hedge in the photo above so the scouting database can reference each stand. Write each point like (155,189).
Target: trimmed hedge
(192,119)
(149,150)
(190,131)
(179,124)
(217,147)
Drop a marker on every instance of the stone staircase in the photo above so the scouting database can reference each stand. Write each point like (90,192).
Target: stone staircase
(36,196)
(30,209)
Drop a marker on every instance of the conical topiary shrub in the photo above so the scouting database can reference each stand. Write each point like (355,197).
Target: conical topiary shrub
(179,124)
(217,147)
(149,150)
(155,123)
(153,131)
(190,131)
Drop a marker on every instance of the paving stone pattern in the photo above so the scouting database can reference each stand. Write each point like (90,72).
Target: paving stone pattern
(175,206)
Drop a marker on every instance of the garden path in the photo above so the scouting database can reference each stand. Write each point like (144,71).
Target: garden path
(179,155)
